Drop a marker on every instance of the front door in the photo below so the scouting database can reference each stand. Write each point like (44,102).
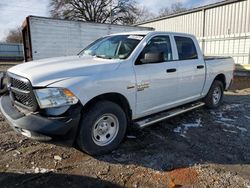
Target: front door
(156,82)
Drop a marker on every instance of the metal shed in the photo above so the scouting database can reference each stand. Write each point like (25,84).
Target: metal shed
(222,28)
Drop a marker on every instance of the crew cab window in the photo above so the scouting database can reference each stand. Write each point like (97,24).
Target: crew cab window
(159,44)
(186,48)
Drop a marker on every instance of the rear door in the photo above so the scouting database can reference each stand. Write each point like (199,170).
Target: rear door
(156,82)
(191,68)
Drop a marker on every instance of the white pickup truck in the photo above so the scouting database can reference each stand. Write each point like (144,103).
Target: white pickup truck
(129,79)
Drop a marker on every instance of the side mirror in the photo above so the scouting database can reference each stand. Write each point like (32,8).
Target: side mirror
(152,57)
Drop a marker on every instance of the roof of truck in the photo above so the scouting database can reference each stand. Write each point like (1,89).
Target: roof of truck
(152,32)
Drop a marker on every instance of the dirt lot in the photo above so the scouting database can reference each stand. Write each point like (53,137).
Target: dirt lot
(203,148)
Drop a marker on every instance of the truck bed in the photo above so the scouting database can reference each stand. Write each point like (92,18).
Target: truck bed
(218,65)
(207,58)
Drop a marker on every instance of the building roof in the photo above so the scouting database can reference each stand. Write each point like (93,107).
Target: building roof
(225,2)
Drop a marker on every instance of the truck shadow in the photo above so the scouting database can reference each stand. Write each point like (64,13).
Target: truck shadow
(50,180)
(220,136)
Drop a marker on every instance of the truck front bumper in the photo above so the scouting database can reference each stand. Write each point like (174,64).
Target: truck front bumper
(54,129)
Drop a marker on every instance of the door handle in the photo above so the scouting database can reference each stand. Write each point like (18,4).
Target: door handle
(170,70)
(200,66)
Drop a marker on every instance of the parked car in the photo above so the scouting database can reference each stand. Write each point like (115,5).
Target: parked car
(131,79)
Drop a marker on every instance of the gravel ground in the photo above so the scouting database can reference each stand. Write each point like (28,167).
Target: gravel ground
(202,148)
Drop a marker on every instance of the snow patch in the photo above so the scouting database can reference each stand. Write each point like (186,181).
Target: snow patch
(219,115)
(225,124)
(247,117)
(232,126)
(183,128)
(241,129)
(226,119)
(225,130)
(37,170)
(231,106)
(213,112)
(177,130)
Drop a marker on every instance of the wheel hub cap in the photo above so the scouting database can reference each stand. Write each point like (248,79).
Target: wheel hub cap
(216,95)
(105,129)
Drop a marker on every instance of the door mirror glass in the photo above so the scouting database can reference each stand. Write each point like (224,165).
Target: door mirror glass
(152,57)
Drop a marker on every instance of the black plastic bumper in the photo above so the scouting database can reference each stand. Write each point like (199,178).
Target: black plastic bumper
(35,126)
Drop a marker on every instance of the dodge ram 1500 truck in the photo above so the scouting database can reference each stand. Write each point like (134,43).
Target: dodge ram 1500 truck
(129,79)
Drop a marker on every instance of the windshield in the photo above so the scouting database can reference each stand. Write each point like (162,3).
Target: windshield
(113,47)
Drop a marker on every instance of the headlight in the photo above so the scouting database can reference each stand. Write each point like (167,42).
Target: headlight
(55,97)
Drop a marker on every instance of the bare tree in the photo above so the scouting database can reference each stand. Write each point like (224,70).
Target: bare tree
(101,11)
(143,14)
(177,7)
(174,8)
(164,11)
(15,36)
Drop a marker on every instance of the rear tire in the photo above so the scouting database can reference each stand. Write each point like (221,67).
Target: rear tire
(215,95)
(102,128)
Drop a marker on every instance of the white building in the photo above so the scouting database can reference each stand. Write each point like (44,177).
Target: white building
(222,28)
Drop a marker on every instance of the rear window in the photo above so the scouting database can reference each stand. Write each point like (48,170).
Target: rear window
(186,48)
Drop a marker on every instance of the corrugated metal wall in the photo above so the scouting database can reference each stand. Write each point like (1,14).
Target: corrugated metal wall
(188,23)
(221,30)
(11,51)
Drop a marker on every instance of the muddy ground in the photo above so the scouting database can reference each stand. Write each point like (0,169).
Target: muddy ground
(203,148)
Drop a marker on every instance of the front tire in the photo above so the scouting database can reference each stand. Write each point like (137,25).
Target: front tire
(102,128)
(3,82)
(215,95)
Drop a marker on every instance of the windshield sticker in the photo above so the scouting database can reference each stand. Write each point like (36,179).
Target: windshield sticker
(136,37)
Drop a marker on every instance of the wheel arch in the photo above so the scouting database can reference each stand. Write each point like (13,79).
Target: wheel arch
(221,77)
(116,98)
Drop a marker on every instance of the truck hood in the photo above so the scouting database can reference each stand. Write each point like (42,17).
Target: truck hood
(48,71)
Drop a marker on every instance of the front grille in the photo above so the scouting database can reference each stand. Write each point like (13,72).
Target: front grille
(21,92)
(19,84)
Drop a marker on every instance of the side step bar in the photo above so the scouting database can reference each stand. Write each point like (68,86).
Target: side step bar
(167,114)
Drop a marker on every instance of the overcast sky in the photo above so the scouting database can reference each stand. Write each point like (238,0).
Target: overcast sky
(13,12)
